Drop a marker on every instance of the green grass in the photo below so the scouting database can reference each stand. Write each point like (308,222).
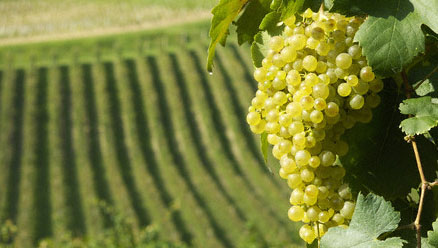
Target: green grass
(145,130)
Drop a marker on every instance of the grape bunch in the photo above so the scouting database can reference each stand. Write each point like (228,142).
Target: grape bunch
(313,85)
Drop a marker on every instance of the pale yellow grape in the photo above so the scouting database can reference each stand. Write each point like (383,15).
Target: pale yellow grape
(341,73)
(306,174)
(285,146)
(307,102)
(355,51)
(294,109)
(308,13)
(296,127)
(327,158)
(352,80)
(317,33)
(310,63)
(281,75)
(276,43)
(320,90)
(311,79)
(282,173)
(253,118)
(319,104)
(296,213)
(348,209)
(288,164)
(332,109)
(312,43)
(323,192)
(338,35)
(367,74)
(290,21)
(260,74)
(312,213)
(316,116)
(345,192)
(298,64)
(259,128)
(314,161)
(294,181)
(273,139)
(338,218)
(293,77)
(269,103)
(344,89)
(344,60)
(272,115)
(361,88)
(321,67)
(322,48)
(356,101)
(302,157)
(277,61)
(307,234)
(308,200)
(299,140)
(297,41)
(311,190)
(288,54)
(278,84)
(285,119)
(310,141)
(272,127)
(296,197)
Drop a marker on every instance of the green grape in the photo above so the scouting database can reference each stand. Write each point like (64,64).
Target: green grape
(253,118)
(307,102)
(260,74)
(344,89)
(366,74)
(312,43)
(338,218)
(273,139)
(295,213)
(319,104)
(278,84)
(311,79)
(294,181)
(327,158)
(311,190)
(313,213)
(306,174)
(296,197)
(297,41)
(316,116)
(272,127)
(259,128)
(293,77)
(276,43)
(302,157)
(376,85)
(344,60)
(296,127)
(308,200)
(310,141)
(281,75)
(355,51)
(288,54)
(288,164)
(352,80)
(320,90)
(323,192)
(298,64)
(372,100)
(314,161)
(332,109)
(345,192)
(348,209)
(310,63)
(318,33)
(285,119)
(323,216)
(294,109)
(307,234)
(356,101)
(272,115)
(361,88)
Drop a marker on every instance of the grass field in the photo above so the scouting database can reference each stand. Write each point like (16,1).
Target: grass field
(136,121)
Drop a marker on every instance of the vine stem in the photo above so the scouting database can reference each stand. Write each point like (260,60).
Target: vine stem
(424,183)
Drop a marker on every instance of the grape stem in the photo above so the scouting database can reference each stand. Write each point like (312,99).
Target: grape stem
(425,185)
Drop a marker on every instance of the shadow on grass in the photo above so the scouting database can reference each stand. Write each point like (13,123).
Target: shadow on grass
(41,189)
(94,151)
(175,152)
(195,133)
(73,200)
(16,144)
(247,74)
(123,159)
(217,120)
(144,140)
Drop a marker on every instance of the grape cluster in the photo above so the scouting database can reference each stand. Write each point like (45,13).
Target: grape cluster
(313,85)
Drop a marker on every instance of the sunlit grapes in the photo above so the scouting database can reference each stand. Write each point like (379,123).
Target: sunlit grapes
(313,85)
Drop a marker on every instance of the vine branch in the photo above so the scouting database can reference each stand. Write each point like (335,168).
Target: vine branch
(424,183)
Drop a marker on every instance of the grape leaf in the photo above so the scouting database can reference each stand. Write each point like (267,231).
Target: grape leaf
(223,14)
(425,115)
(264,145)
(290,8)
(270,23)
(379,156)
(428,12)
(430,85)
(391,37)
(249,22)
(432,236)
(259,48)
(372,217)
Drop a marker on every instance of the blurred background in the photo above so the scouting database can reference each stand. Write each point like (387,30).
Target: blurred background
(113,134)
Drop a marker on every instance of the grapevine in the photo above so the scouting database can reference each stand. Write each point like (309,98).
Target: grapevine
(313,85)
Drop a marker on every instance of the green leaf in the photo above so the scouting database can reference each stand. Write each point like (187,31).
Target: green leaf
(390,41)
(223,14)
(372,217)
(430,85)
(264,145)
(270,23)
(428,12)
(260,47)
(249,22)
(432,236)
(312,245)
(291,7)
(379,156)
(425,115)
